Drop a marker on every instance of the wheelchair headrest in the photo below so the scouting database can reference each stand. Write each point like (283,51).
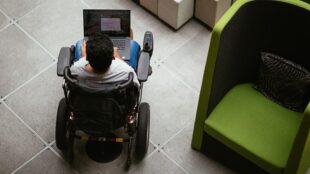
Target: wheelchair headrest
(100,89)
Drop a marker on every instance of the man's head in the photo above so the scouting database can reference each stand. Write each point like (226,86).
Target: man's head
(99,53)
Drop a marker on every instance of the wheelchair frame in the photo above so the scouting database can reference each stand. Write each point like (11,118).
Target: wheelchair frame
(139,114)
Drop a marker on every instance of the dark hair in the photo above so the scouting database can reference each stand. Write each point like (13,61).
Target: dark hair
(99,52)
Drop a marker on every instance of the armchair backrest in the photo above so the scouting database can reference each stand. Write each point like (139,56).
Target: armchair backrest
(258,26)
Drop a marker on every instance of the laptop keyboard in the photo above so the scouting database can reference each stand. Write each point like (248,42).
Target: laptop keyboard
(119,43)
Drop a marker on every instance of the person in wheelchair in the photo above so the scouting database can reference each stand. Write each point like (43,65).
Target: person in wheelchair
(102,93)
(97,62)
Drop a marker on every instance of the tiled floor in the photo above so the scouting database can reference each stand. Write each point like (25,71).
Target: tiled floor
(31,34)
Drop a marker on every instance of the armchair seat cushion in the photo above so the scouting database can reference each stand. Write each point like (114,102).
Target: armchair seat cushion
(260,130)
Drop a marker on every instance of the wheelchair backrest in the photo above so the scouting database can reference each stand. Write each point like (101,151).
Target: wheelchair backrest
(101,109)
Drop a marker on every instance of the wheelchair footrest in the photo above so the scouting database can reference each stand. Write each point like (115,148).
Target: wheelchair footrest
(101,139)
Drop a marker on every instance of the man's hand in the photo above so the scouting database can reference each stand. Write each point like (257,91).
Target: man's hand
(131,34)
(117,54)
(83,49)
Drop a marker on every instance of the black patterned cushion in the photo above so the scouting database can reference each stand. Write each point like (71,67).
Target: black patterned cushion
(284,82)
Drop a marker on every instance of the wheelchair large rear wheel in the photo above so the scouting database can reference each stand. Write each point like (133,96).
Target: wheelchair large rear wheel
(143,131)
(61,125)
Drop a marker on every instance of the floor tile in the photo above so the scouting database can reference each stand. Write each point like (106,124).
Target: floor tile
(142,21)
(189,60)
(157,163)
(167,41)
(84,165)
(172,104)
(48,163)
(20,59)
(55,23)
(191,29)
(179,149)
(37,103)
(16,8)
(3,20)
(17,143)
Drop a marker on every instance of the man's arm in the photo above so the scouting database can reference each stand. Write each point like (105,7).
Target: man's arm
(83,49)
(117,54)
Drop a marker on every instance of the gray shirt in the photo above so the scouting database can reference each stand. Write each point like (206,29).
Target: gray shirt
(118,71)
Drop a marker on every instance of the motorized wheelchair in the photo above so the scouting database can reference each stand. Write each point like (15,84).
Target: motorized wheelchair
(92,113)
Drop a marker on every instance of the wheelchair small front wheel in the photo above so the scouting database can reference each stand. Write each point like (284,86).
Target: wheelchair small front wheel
(143,130)
(61,125)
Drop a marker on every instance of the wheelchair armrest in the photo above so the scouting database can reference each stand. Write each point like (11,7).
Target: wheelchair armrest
(67,75)
(64,60)
(143,66)
(148,43)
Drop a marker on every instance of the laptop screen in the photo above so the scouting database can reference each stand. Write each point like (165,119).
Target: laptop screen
(111,22)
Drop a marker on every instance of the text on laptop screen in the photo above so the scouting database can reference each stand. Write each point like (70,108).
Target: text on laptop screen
(111,22)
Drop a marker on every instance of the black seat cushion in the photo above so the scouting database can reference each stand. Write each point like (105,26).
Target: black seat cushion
(284,82)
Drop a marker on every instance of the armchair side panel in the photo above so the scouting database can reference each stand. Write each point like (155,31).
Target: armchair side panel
(208,75)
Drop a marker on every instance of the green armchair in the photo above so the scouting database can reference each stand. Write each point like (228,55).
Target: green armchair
(235,123)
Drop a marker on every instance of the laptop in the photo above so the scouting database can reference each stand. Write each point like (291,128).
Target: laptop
(114,23)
